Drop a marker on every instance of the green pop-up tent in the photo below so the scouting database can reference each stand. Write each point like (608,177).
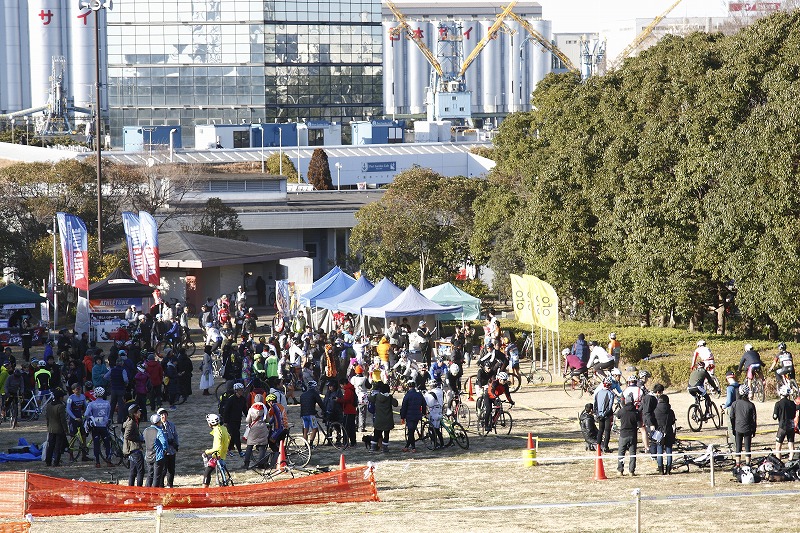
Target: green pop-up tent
(448,294)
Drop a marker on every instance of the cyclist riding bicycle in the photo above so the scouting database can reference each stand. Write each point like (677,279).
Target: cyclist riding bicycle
(600,359)
(697,384)
(494,391)
(574,365)
(703,353)
(750,359)
(785,364)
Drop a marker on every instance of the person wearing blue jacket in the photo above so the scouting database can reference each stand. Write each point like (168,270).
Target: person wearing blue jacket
(731,394)
(411,410)
(438,370)
(155,450)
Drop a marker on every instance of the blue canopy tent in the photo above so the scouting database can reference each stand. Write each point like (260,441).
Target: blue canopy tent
(332,286)
(360,287)
(410,303)
(332,272)
(449,294)
(382,293)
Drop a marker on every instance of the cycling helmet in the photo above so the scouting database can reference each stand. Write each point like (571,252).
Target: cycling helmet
(607,382)
(644,374)
(784,390)
(565,352)
(421,323)
(212,419)
(238,386)
(133,408)
(701,343)
(453,369)
(99,392)
(612,336)
(271,398)
(782,346)
(744,391)
(632,379)
(502,376)
(155,419)
(359,369)
(312,384)
(748,347)
(616,372)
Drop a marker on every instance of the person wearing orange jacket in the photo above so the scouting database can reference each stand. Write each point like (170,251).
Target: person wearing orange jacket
(614,348)
(349,402)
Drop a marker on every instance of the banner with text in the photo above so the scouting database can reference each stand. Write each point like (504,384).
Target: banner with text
(135,253)
(142,234)
(74,250)
(544,302)
(521,296)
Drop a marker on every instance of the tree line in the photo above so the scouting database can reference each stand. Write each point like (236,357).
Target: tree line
(668,187)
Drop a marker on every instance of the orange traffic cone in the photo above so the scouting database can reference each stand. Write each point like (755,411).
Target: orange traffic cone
(530,454)
(599,469)
(470,391)
(283,461)
(342,467)
(342,464)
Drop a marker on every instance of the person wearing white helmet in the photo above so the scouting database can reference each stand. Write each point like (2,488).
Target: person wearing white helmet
(97,416)
(573,365)
(785,366)
(219,446)
(703,353)
(497,388)
(784,412)
(752,361)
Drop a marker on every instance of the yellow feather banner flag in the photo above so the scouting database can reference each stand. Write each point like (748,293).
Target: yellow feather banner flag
(523,303)
(544,302)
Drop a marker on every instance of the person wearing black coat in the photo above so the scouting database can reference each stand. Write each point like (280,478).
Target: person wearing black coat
(185,368)
(628,429)
(665,423)
(743,422)
(588,426)
(233,409)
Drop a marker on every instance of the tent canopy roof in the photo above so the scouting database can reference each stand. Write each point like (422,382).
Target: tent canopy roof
(381,294)
(360,287)
(411,303)
(449,294)
(14,294)
(119,285)
(334,285)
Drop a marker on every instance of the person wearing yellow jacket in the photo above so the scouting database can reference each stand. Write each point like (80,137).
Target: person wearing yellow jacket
(219,447)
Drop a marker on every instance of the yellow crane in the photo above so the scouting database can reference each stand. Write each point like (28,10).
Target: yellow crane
(486,38)
(645,33)
(417,39)
(546,44)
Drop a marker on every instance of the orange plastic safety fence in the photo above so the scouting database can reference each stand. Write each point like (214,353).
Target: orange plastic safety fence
(15,527)
(48,496)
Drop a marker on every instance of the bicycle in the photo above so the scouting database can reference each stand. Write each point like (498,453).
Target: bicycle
(536,375)
(184,343)
(33,409)
(78,446)
(756,384)
(298,451)
(500,421)
(115,456)
(221,469)
(576,386)
(688,452)
(698,414)
(461,410)
(325,434)
(456,433)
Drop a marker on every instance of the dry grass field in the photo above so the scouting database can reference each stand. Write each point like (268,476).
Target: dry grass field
(475,490)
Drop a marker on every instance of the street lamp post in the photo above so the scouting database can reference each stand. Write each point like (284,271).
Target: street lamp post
(172,145)
(261,129)
(55,277)
(96,6)
(338,171)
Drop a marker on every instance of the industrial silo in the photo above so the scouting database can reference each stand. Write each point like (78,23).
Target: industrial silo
(81,59)
(45,28)
(11,59)
(491,81)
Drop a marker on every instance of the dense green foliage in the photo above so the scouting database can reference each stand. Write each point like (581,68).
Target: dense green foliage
(668,186)
(220,220)
(273,165)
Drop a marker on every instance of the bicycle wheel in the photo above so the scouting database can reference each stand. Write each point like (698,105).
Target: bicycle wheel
(717,392)
(190,346)
(29,412)
(464,415)
(115,455)
(516,381)
(716,418)
(298,451)
(221,388)
(223,476)
(427,435)
(504,423)
(758,390)
(540,376)
(337,435)
(573,387)
(695,416)
(460,436)
(77,447)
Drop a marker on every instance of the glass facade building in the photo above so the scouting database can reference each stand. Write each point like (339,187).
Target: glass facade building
(193,62)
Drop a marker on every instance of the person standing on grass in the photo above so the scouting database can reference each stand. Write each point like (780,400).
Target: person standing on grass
(628,430)
(155,448)
(349,402)
(57,427)
(383,422)
(411,411)
(665,423)
(235,407)
(743,422)
(784,413)
(132,446)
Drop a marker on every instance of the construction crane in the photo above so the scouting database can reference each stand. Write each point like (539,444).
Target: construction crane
(447,96)
(546,44)
(645,33)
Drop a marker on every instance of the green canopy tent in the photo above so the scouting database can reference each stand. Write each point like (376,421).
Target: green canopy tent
(448,294)
(14,295)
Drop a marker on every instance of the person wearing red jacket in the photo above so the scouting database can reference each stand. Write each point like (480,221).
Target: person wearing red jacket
(155,372)
(349,402)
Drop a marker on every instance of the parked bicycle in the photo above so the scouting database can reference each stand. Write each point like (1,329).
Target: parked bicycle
(78,446)
(185,343)
(35,406)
